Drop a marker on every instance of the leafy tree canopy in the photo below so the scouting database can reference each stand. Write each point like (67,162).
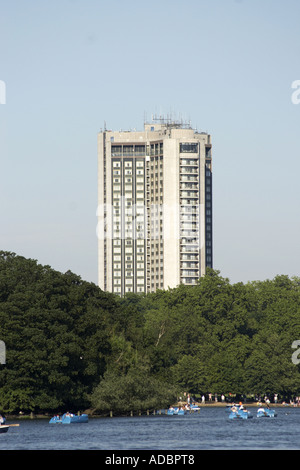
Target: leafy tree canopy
(69,345)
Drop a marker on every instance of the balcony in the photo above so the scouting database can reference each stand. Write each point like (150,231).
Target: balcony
(189,280)
(194,249)
(189,162)
(189,274)
(190,179)
(189,265)
(184,170)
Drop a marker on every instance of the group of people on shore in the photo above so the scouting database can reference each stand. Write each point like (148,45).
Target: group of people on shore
(258,399)
(295,401)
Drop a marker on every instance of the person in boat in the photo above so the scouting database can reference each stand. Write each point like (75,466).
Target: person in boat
(234,408)
(244,409)
(2,420)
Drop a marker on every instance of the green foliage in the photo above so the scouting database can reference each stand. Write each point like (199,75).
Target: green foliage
(137,390)
(55,330)
(71,345)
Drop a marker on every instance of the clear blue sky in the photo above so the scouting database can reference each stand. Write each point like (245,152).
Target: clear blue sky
(226,65)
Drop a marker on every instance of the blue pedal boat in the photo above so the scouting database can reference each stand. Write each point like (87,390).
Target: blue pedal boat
(69,418)
(240,414)
(176,411)
(195,408)
(265,413)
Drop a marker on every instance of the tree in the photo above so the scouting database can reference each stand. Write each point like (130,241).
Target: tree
(191,374)
(137,390)
(68,342)
(48,321)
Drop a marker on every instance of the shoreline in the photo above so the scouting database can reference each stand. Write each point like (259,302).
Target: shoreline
(148,412)
(246,404)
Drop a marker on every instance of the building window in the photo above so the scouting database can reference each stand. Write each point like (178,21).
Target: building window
(188,147)
(128,150)
(140,149)
(116,150)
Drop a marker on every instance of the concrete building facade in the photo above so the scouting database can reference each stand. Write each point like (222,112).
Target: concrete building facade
(154,207)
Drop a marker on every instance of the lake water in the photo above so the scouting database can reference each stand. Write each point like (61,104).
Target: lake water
(210,429)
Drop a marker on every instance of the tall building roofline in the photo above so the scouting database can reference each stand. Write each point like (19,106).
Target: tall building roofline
(160,122)
(169,121)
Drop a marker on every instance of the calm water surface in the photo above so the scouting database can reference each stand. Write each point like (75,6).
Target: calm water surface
(211,429)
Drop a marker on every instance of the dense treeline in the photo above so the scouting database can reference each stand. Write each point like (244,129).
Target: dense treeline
(70,345)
